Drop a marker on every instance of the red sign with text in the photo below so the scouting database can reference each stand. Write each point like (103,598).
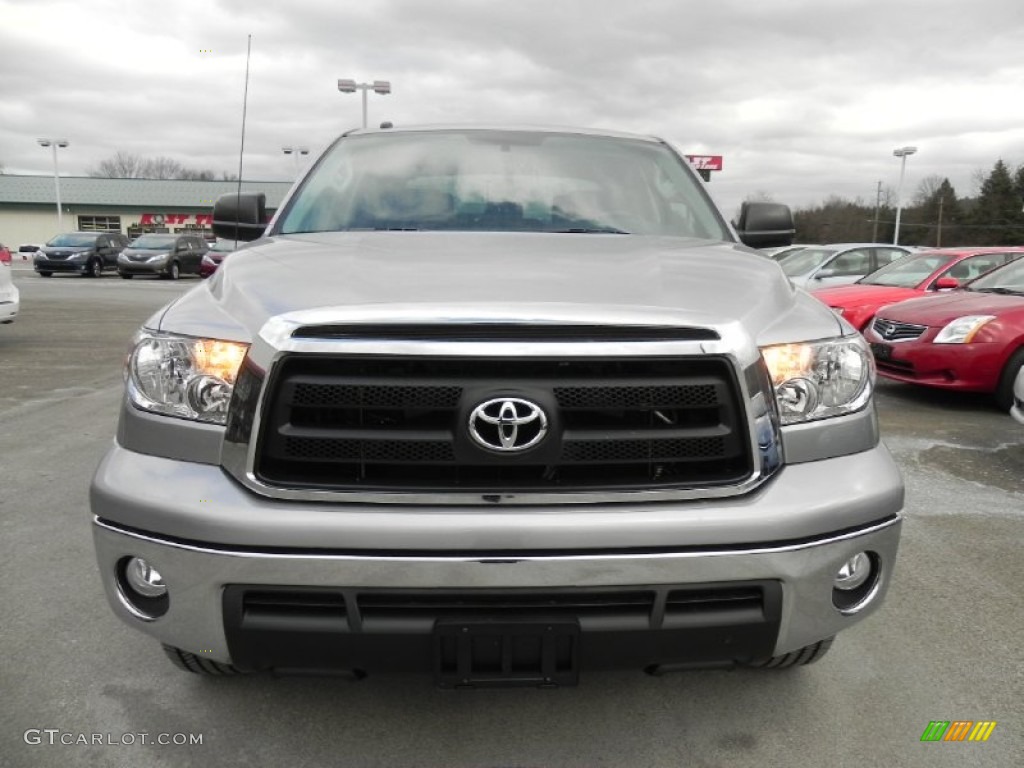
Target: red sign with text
(178,219)
(706,162)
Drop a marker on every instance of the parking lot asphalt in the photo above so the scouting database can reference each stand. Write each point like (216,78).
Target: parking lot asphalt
(945,646)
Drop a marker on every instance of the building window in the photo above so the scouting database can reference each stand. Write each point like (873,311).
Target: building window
(99,223)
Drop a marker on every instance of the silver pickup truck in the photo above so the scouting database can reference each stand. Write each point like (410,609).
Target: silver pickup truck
(496,406)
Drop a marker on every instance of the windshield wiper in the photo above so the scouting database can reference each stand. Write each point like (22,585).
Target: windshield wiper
(590,231)
(1000,291)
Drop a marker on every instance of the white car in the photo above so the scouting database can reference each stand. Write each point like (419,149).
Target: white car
(8,295)
(27,251)
(1017,409)
(821,266)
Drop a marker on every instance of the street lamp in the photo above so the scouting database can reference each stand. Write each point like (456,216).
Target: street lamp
(382,87)
(901,153)
(296,152)
(56,173)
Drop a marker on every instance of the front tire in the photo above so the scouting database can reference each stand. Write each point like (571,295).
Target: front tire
(125,275)
(1004,392)
(174,272)
(46,274)
(190,662)
(95,268)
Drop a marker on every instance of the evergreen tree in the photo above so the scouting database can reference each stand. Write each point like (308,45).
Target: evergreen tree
(997,218)
(940,211)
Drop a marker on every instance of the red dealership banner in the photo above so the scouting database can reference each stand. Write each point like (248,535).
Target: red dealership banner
(160,219)
(705,162)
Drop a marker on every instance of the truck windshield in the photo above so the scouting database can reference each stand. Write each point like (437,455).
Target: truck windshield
(491,180)
(153,242)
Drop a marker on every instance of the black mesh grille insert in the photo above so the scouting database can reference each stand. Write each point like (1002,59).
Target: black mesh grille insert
(338,395)
(637,397)
(387,423)
(637,450)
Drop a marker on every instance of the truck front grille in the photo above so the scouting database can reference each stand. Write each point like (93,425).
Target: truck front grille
(383,423)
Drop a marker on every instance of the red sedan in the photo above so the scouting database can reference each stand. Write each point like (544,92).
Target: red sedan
(912,276)
(970,340)
(213,257)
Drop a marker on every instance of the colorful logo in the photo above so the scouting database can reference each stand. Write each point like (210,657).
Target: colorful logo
(958,730)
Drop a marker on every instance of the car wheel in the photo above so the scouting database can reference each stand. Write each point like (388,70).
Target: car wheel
(799,658)
(175,271)
(95,268)
(190,662)
(46,274)
(1004,392)
(126,276)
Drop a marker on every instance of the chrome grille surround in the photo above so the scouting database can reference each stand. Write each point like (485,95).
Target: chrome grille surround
(277,342)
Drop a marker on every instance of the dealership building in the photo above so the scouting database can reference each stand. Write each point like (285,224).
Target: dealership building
(28,205)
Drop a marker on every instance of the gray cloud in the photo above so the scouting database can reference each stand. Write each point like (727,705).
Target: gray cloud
(803,99)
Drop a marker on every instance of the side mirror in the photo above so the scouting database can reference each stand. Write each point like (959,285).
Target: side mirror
(822,274)
(764,225)
(946,284)
(240,216)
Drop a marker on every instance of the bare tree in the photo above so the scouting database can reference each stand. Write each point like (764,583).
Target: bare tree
(123,165)
(928,189)
(164,168)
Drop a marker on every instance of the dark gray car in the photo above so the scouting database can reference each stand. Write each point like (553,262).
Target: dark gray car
(168,256)
(82,253)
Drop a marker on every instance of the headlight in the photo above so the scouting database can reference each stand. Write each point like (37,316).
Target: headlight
(158,258)
(183,376)
(817,380)
(80,256)
(962,330)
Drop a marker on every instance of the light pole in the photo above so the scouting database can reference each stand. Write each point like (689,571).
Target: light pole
(296,152)
(56,174)
(901,153)
(381,87)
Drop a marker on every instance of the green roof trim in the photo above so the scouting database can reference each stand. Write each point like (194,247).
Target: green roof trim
(133,193)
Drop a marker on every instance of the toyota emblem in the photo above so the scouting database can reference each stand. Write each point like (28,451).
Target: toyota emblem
(508,424)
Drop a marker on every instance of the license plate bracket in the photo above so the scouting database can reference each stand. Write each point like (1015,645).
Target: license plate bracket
(501,654)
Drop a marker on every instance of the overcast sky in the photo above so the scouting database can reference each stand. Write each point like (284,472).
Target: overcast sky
(803,99)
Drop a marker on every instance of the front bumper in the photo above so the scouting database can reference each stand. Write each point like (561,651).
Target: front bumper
(972,367)
(343,555)
(142,267)
(58,265)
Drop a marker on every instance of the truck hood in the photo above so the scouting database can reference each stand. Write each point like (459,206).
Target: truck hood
(437,277)
(943,309)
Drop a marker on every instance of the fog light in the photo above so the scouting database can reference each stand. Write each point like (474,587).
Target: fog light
(853,573)
(857,582)
(144,578)
(141,588)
